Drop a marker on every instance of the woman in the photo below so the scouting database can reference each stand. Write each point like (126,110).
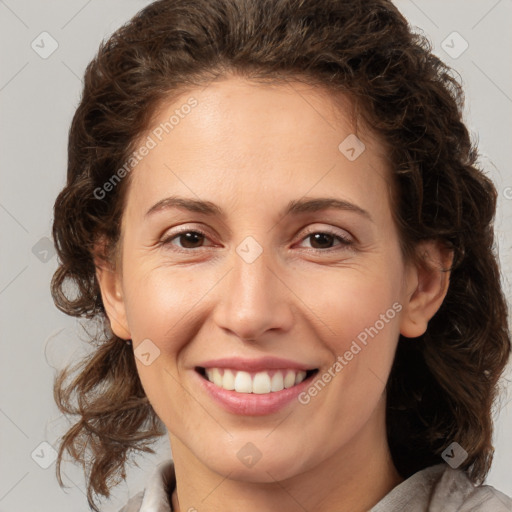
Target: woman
(275,208)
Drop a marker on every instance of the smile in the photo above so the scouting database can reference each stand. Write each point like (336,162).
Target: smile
(261,382)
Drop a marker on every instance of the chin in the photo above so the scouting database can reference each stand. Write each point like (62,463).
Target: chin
(249,464)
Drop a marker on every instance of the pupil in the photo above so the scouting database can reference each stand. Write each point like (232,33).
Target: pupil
(319,236)
(189,238)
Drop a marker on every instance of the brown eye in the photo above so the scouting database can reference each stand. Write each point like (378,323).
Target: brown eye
(188,239)
(321,240)
(325,240)
(191,239)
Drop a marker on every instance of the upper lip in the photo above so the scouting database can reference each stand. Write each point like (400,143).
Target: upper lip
(255,365)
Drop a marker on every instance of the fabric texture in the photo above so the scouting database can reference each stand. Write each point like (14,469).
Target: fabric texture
(438,488)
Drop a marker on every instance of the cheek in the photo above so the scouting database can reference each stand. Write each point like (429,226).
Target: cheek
(350,302)
(160,308)
(159,301)
(359,312)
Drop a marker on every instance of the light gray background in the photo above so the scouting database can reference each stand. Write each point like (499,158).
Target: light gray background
(38,97)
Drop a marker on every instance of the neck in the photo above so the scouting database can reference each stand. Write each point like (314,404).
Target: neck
(353,479)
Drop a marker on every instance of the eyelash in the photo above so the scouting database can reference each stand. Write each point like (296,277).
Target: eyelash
(344,242)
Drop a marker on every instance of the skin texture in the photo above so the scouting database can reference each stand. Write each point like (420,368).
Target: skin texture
(250,149)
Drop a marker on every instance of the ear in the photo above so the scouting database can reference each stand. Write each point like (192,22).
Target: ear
(109,280)
(426,287)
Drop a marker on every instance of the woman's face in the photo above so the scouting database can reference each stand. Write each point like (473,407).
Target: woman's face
(255,276)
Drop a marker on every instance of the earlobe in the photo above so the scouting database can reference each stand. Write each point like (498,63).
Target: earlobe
(426,287)
(112,297)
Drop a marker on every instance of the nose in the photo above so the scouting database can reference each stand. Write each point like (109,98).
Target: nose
(254,299)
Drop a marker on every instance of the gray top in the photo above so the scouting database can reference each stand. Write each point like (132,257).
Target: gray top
(434,489)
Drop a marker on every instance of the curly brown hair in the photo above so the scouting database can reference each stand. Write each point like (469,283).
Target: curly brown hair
(443,384)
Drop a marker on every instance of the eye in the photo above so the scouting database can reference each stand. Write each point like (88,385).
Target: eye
(323,240)
(189,238)
(320,240)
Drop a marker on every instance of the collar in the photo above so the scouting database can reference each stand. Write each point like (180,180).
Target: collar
(159,488)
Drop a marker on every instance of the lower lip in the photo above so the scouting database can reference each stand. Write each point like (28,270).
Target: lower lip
(253,404)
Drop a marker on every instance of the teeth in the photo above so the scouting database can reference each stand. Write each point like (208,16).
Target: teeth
(228,380)
(277,383)
(259,383)
(217,377)
(243,383)
(289,380)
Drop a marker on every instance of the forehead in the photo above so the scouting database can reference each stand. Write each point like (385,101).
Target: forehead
(242,138)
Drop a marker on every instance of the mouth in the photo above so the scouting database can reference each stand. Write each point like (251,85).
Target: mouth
(261,382)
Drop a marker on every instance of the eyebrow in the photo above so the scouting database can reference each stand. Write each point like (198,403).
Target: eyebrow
(294,207)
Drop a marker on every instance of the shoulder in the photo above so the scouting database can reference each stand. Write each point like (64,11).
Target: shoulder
(155,496)
(441,488)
